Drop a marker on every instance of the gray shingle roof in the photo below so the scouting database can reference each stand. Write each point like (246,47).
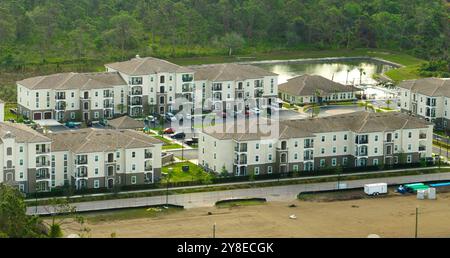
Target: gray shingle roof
(21,133)
(307,85)
(229,72)
(433,87)
(126,122)
(92,140)
(70,81)
(358,122)
(146,66)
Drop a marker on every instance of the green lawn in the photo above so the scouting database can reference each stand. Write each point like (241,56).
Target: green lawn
(127,214)
(195,173)
(231,204)
(9,115)
(168,145)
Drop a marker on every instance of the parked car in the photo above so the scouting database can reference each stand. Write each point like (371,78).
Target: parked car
(170,117)
(178,136)
(169,131)
(256,111)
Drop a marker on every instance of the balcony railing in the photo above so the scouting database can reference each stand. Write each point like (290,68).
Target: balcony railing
(42,175)
(308,157)
(309,146)
(148,155)
(148,168)
(242,148)
(240,162)
(81,161)
(422,148)
(43,151)
(42,163)
(136,92)
(81,174)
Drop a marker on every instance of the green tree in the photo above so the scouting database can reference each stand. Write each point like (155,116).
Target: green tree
(124,32)
(14,222)
(232,42)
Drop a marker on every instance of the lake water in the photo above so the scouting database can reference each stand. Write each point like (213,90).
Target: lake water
(333,70)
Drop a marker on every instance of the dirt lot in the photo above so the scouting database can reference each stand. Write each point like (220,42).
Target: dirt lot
(387,217)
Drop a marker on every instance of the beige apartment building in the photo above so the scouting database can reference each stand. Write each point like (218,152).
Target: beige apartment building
(360,139)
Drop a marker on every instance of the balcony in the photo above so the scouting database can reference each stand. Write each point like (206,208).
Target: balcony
(148,168)
(309,145)
(217,88)
(240,161)
(60,106)
(108,105)
(42,174)
(81,174)
(60,96)
(422,148)
(259,93)
(136,91)
(241,148)
(422,136)
(187,88)
(108,95)
(43,150)
(308,157)
(148,155)
(42,163)
(81,161)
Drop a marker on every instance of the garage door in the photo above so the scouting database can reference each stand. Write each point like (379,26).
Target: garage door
(37,116)
(48,115)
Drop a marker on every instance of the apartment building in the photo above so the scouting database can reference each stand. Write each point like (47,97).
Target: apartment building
(306,89)
(223,85)
(72,96)
(156,86)
(87,158)
(361,139)
(428,98)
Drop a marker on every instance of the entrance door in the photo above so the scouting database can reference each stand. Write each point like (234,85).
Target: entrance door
(110,183)
(86,116)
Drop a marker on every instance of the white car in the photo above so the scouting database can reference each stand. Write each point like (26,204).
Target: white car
(256,110)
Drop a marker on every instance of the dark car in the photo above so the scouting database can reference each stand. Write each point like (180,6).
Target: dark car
(178,136)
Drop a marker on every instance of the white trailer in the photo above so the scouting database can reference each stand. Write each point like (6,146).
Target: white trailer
(376,189)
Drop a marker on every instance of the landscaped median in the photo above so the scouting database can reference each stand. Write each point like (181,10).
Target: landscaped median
(244,185)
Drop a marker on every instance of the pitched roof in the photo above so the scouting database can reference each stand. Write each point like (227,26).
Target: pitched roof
(433,87)
(358,122)
(147,65)
(21,133)
(308,85)
(68,81)
(229,72)
(93,140)
(125,122)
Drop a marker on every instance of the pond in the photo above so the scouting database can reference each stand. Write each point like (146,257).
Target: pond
(345,72)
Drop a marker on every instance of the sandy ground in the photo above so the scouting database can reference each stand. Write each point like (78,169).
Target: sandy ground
(387,217)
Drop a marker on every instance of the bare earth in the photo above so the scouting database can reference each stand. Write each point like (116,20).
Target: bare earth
(387,217)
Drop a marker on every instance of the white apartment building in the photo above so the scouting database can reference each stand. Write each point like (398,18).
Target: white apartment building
(428,98)
(306,89)
(360,139)
(156,86)
(85,158)
(226,85)
(72,96)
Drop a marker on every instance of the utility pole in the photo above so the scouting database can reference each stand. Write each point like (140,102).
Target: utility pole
(167,183)
(417,220)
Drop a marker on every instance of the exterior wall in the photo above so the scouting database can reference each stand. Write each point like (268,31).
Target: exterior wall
(330,150)
(300,100)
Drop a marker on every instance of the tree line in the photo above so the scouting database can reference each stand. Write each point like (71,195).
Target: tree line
(32,30)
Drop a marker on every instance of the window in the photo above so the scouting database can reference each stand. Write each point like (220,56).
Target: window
(322,163)
(270,157)
(295,168)
(409,147)
(256,158)
(269,170)
(409,159)
(133,180)
(334,162)
(323,138)
(345,149)
(96,171)
(9,151)
(375,150)
(215,156)
(133,154)
(133,167)
(162,79)
(344,161)
(376,138)
(117,154)
(96,184)
(334,149)
(257,146)
(96,158)
(256,171)
(96,114)
(21,148)
(375,162)
(410,135)
(334,138)
(295,156)
(345,137)
(296,144)
(322,150)
(21,162)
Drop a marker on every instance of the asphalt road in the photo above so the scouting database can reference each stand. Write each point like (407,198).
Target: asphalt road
(208,199)
(189,154)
